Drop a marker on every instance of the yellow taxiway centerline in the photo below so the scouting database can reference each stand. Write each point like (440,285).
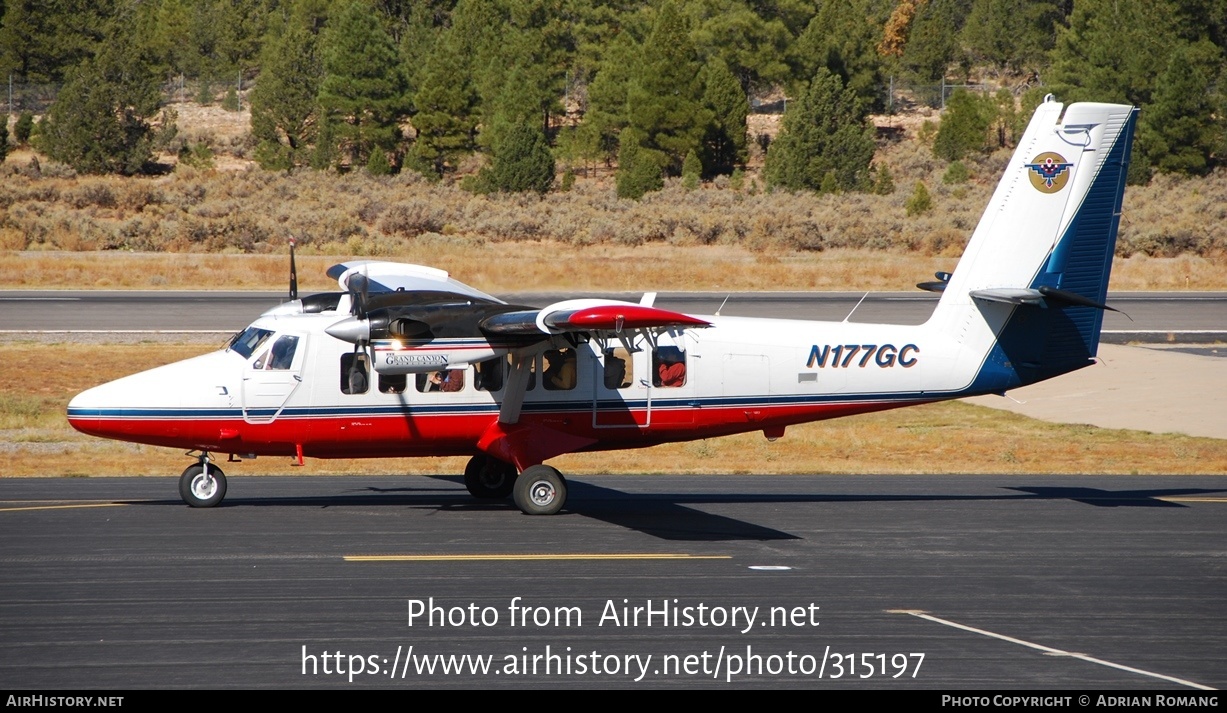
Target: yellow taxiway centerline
(65,507)
(521,557)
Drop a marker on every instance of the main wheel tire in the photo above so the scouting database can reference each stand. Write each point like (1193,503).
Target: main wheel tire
(540,490)
(489,478)
(200,490)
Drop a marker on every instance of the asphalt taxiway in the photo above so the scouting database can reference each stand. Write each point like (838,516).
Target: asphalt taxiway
(862,582)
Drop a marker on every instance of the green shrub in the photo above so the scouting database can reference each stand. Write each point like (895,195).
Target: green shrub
(956,173)
(23,128)
(920,202)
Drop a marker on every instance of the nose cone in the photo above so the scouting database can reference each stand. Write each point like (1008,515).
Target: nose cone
(150,407)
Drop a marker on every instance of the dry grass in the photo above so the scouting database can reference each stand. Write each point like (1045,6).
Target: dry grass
(534,266)
(938,438)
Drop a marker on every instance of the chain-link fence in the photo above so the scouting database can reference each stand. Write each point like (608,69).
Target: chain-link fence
(21,96)
(894,95)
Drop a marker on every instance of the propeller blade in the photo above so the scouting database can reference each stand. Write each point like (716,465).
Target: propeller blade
(293,273)
(357,284)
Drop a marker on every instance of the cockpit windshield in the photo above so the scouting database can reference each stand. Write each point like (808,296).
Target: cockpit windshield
(248,341)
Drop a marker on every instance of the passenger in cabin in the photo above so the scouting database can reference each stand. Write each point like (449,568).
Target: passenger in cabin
(615,372)
(488,375)
(450,380)
(670,367)
(560,369)
(357,381)
(283,353)
(357,375)
(394,384)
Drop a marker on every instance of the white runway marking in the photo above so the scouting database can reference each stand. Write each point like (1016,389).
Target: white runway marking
(1049,649)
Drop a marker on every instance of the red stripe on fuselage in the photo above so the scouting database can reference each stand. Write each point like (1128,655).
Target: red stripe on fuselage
(403,435)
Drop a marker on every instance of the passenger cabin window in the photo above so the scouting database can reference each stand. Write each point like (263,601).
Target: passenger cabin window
(619,369)
(355,373)
(447,380)
(559,372)
(668,367)
(488,375)
(392,383)
(532,371)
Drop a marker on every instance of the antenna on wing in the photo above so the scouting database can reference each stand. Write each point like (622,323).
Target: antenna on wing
(293,272)
(858,304)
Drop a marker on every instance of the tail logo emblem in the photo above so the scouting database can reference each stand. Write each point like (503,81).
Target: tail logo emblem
(1049,172)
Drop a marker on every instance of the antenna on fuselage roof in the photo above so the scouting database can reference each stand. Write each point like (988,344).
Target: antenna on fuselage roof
(858,304)
(722,304)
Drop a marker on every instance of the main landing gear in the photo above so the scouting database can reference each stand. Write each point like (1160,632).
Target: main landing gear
(203,484)
(539,490)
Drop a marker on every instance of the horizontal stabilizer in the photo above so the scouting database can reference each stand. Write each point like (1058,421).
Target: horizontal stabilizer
(1041,297)
(938,285)
(1011,296)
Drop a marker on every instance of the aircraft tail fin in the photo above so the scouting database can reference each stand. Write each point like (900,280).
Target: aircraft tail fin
(1028,294)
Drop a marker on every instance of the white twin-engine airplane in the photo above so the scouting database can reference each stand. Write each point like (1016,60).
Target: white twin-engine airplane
(409,362)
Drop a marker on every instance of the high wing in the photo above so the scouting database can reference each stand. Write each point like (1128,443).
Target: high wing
(417,319)
(382,277)
(587,315)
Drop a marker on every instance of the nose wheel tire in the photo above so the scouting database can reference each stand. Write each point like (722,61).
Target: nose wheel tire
(489,478)
(540,490)
(201,490)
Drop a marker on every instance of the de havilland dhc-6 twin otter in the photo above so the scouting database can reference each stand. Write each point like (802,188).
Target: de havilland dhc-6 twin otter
(406,361)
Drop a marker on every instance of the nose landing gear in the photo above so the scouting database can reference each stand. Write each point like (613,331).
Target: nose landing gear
(202,484)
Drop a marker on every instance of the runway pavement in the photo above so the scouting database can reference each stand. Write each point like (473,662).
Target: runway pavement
(938,583)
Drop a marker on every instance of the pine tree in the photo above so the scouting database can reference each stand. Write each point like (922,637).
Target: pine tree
(933,41)
(823,132)
(639,169)
(284,110)
(44,41)
(1123,51)
(446,105)
(665,100)
(843,38)
(750,39)
(23,128)
(100,120)
(1011,33)
(964,126)
(1180,131)
(363,92)
(520,162)
(607,112)
(692,169)
(724,146)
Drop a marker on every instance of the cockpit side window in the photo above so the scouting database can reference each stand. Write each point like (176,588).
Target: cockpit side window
(246,343)
(282,354)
